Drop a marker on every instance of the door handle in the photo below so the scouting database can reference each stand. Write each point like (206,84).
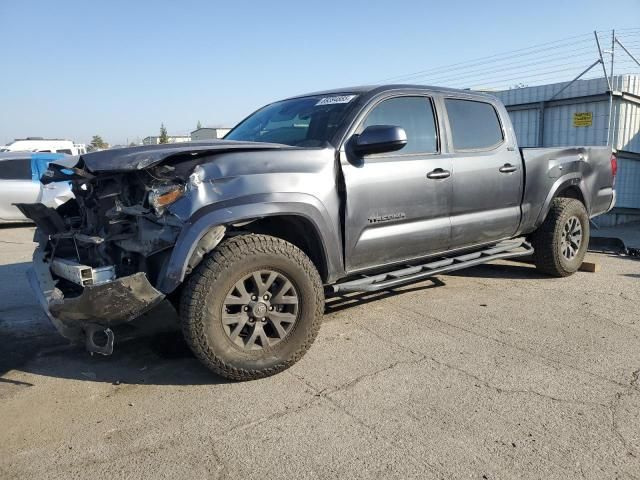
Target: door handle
(507,168)
(438,174)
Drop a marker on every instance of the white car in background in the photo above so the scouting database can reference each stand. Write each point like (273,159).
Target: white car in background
(44,145)
(18,185)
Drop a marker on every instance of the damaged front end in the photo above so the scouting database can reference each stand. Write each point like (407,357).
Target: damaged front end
(101,253)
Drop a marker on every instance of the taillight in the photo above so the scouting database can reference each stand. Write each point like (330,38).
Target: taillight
(614,165)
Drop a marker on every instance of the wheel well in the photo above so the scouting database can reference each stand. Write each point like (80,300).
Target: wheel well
(569,191)
(572,192)
(296,230)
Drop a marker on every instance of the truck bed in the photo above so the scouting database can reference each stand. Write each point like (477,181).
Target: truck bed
(586,171)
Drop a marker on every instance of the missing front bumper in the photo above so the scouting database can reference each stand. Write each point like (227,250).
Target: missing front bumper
(97,308)
(109,303)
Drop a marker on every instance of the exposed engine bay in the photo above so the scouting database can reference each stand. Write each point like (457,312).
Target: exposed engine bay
(118,221)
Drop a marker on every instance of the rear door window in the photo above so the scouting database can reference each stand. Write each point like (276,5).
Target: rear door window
(415,115)
(474,125)
(18,169)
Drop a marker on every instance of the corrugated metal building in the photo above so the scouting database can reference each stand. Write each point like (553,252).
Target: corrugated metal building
(209,133)
(579,115)
(155,139)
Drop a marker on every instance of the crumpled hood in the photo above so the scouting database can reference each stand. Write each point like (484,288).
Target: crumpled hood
(138,158)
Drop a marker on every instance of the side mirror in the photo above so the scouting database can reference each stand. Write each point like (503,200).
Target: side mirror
(380,139)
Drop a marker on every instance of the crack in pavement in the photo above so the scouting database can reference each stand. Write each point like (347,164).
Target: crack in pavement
(423,357)
(486,384)
(274,416)
(633,384)
(17,243)
(327,394)
(515,347)
(615,404)
(418,461)
(615,427)
(323,394)
(635,378)
(364,376)
(613,408)
(225,472)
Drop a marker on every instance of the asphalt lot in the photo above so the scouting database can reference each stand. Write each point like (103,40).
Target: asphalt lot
(496,372)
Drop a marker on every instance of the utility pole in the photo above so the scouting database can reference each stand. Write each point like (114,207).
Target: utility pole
(612,123)
(609,79)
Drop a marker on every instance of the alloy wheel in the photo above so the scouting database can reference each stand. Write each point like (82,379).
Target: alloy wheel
(260,310)
(571,238)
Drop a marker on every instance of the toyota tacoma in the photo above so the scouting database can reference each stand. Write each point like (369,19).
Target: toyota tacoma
(351,190)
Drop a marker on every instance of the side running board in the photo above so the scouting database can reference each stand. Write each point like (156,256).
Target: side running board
(414,273)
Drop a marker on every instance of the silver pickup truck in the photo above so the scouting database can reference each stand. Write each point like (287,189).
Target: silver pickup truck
(357,189)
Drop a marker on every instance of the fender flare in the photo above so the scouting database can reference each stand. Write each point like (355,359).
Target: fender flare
(244,209)
(562,183)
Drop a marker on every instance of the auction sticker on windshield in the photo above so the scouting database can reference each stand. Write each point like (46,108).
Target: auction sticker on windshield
(334,100)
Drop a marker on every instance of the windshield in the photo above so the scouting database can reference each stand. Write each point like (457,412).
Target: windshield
(301,122)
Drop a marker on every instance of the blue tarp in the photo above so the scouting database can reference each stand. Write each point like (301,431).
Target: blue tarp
(40,162)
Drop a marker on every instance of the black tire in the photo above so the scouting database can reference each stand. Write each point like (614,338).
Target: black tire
(549,241)
(204,306)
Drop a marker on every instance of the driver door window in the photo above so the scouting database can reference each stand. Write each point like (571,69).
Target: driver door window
(414,115)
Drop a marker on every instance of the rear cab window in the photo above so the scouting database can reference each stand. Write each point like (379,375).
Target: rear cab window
(415,114)
(475,125)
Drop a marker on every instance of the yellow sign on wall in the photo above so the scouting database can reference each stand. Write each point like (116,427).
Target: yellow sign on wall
(583,119)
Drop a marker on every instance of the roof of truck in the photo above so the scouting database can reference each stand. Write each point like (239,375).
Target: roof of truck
(374,89)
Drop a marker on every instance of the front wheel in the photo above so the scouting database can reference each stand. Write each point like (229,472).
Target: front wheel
(253,307)
(561,242)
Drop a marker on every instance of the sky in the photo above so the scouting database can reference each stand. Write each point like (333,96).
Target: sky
(74,69)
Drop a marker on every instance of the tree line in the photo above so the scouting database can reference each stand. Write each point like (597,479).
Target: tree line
(97,143)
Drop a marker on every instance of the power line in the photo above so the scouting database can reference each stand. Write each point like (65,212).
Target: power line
(522,60)
(574,68)
(510,54)
(512,67)
(467,65)
(552,61)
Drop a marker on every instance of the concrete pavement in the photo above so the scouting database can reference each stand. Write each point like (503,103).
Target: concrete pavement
(496,372)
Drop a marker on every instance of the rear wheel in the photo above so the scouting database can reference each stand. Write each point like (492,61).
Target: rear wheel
(253,307)
(561,242)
